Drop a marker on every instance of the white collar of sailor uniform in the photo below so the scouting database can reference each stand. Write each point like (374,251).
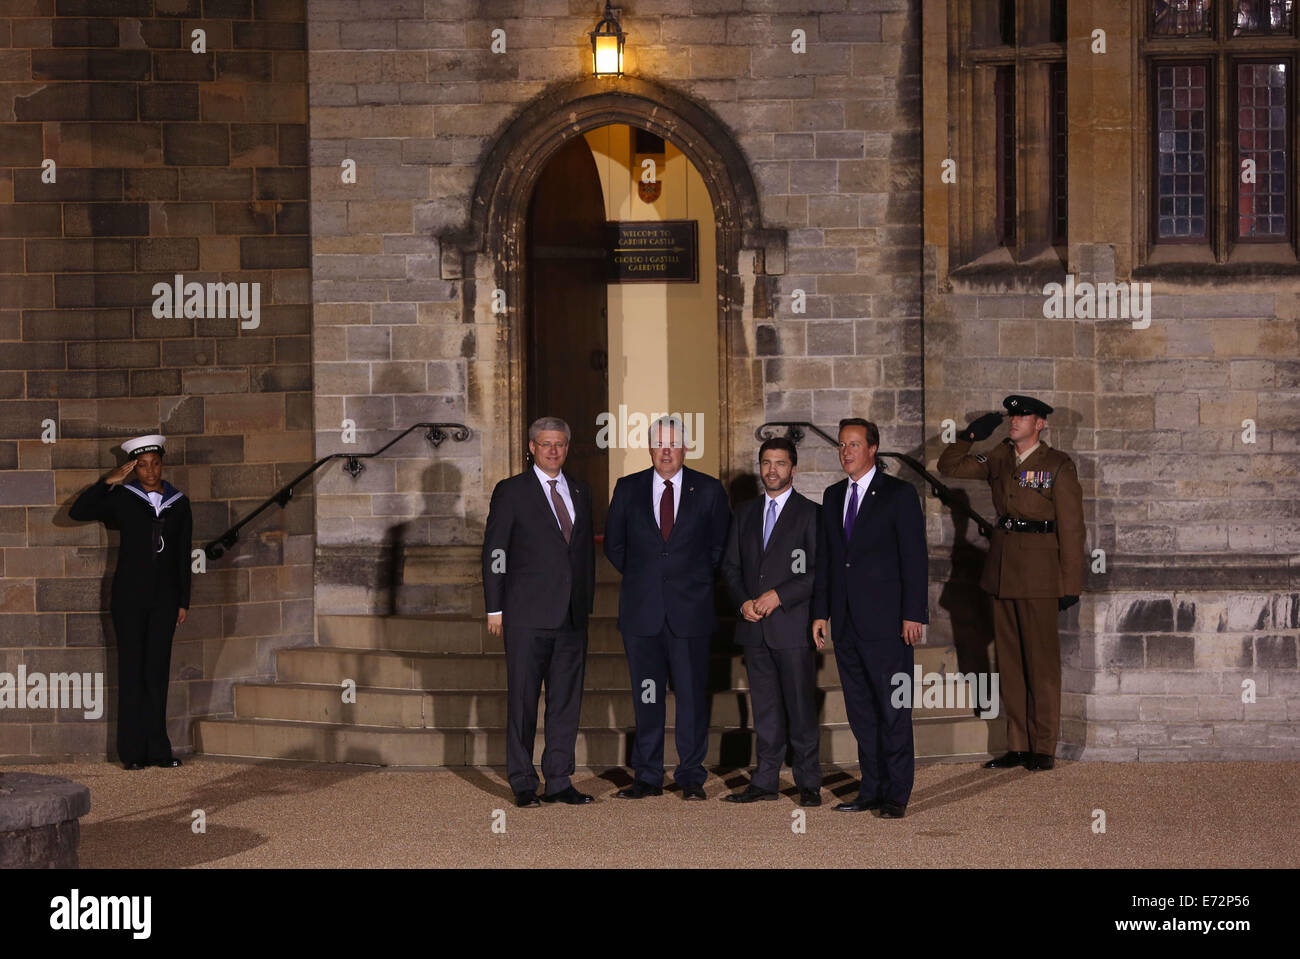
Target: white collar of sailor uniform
(170,494)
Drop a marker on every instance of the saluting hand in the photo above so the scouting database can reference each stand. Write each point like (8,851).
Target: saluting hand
(121,473)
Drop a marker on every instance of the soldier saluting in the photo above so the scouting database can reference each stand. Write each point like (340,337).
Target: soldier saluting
(151,591)
(1033,571)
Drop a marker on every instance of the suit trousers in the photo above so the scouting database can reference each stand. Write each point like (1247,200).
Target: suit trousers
(144,655)
(1029,671)
(784,681)
(686,660)
(558,658)
(884,732)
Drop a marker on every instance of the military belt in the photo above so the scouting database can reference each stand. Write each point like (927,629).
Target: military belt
(1011,524)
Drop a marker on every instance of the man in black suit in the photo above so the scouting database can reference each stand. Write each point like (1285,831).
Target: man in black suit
(769,566)
(539,581)
(665,532)
(871,583)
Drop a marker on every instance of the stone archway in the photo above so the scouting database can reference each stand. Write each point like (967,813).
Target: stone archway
(491,246)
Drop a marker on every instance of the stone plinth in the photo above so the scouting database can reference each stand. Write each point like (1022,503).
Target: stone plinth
(38,821)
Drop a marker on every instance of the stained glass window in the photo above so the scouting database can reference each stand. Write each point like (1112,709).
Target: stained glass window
(1178,18)
(1261,16)
(1060,180)
(1262,139)
(1181,151)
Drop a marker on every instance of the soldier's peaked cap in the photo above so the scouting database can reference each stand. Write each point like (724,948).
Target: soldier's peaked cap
(1018,405)
(139,445)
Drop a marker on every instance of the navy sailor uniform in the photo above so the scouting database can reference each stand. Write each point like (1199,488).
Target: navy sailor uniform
(150,586)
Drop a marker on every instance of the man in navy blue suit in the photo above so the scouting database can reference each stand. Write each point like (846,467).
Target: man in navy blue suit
(871,583)
(665,533)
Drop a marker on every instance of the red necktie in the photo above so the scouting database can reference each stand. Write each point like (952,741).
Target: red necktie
(666,510)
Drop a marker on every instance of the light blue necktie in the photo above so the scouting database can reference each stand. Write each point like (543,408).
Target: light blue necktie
(769,522)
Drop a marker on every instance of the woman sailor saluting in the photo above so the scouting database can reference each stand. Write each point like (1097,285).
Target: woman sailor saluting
(151,591)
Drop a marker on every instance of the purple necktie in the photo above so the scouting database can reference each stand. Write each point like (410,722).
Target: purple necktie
(852,513)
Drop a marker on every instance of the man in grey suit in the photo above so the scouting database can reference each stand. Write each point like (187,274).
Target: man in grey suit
(769,565)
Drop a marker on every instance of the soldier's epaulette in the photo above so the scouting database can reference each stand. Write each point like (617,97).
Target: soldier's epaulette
(980,458)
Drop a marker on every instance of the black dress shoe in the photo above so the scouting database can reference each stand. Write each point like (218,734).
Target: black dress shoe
(1008,760)
(638,790)
(524,800)
(135,766)
(892,810)
(861,804)
(568,795)
(751,794)
(167,763)
(810,797)
(1039,761)
(695,792)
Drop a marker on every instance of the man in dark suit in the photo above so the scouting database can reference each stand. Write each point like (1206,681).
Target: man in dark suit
(539,581)
(871,583)
(769,566)
(665,532)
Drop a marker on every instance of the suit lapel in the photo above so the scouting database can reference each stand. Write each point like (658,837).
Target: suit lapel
(685,502)
(837,494)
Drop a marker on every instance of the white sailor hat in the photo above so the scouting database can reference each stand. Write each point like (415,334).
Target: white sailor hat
(139,445)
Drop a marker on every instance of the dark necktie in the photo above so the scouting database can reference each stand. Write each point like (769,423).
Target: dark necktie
(852,513)
(666,510)
(561,511)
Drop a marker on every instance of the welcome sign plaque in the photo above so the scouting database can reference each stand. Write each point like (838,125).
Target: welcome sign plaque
(652,251)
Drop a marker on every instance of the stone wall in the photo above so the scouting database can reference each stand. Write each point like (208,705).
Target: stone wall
(167,161)
(413,93)
(1195,513)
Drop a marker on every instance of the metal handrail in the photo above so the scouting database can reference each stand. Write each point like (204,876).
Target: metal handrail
(795,433)
(435,434)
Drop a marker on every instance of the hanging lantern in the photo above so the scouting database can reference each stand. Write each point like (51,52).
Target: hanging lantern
(607,46)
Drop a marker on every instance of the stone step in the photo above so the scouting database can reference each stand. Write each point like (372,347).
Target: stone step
(396,669)
(466,634)
(935,740)
(463,565)
(486,709)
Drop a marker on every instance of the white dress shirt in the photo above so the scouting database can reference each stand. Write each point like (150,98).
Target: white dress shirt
(862,485)
(657,492)
(562,485)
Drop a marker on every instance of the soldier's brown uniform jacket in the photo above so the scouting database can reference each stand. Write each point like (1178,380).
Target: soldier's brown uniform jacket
(1045,486)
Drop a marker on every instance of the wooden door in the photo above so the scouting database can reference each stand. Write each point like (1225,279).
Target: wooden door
(568,341)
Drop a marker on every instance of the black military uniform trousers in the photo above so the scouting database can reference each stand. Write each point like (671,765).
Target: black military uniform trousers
(144,655)
(886,756)
(1028,647)
(558,658)
(784,681)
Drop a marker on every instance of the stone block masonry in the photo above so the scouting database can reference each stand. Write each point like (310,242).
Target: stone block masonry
(167,159)
(416,98)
